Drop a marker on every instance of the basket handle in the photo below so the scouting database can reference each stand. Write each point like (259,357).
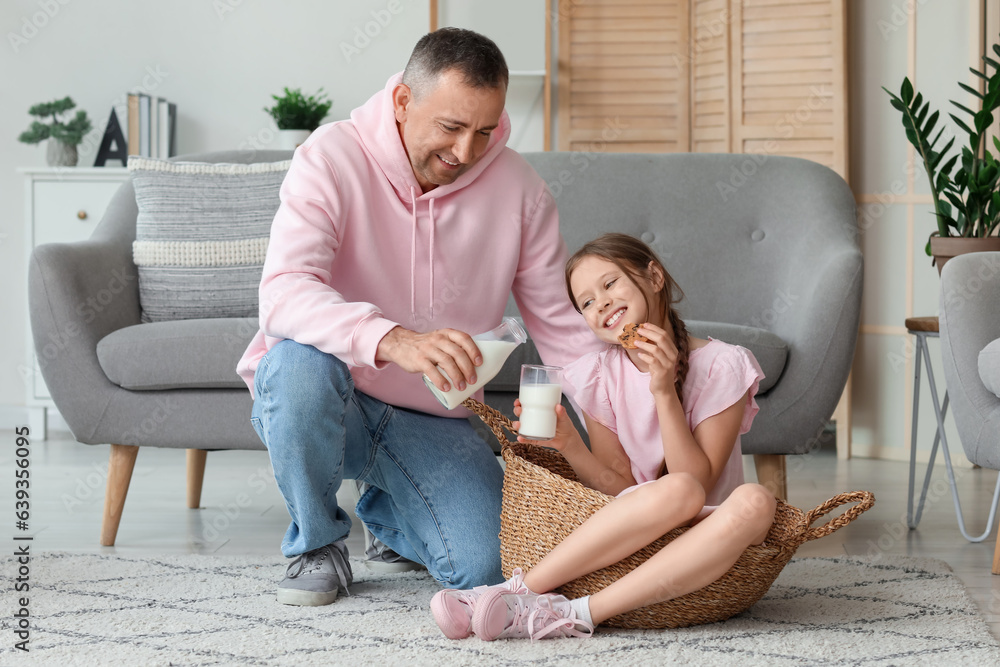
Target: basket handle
(496,420)
(864,499)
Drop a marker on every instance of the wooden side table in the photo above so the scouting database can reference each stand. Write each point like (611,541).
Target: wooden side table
(924,328)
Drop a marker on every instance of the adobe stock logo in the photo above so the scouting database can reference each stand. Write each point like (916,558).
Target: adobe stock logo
(31,25)
(363,35)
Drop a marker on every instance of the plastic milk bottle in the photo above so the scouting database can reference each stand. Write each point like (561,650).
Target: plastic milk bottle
(495,346)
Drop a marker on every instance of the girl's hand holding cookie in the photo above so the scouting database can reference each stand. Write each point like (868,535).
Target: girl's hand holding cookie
(660,354)
(630,336)
(565,431)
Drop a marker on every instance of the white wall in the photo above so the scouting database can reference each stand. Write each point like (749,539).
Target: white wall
(931,42)
(220,67)
(219,60)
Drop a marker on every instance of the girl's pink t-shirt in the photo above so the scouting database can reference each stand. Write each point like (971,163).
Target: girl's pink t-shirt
(609,388)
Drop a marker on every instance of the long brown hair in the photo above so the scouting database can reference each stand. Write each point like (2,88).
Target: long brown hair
(634,257)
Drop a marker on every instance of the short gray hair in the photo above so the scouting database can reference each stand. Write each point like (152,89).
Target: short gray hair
(476,56)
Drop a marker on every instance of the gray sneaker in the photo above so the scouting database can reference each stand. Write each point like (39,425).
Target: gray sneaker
(316,577)
(379,557)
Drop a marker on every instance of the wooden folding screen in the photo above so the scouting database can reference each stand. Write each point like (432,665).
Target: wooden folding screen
(764,77)
(754,76)
(622,82)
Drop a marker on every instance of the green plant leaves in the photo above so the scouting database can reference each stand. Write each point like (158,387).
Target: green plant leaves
(295,111)
(964,108)
(968,202)
(961,124)
(983,120)
(906,91)
(53,108)
(937,157)
(918,124)
(71,132)
(37,133)
(970,90)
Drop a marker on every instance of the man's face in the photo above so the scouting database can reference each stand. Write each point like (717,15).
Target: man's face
(446,130)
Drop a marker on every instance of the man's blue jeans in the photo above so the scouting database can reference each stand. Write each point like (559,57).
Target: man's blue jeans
(435,486)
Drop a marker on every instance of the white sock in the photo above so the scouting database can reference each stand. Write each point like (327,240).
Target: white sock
(582,608)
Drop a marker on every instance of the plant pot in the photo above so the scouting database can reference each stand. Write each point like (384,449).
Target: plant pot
(292,139)
(944,248)
(59,154)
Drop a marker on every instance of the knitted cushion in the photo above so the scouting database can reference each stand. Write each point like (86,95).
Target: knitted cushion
(201,236)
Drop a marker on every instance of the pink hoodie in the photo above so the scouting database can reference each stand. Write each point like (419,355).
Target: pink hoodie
(356,249)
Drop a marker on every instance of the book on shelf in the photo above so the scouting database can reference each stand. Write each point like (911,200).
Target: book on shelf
(152,126)
(132,126)
(171,129)
(163,135)
(144,125)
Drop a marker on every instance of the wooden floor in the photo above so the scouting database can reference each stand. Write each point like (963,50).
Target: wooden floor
(243,513)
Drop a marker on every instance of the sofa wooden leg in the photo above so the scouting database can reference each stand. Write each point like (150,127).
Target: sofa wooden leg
(120,465)
(771,473)
(996,555)
(195,476)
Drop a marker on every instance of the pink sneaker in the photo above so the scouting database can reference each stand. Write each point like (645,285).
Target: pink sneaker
(453,608)
(501,614)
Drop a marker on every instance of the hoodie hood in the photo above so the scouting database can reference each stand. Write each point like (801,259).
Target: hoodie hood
(376,124)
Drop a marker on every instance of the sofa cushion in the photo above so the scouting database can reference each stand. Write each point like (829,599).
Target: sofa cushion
(768,348)
(201,235)
(989,366)
(184,354)
(771,353)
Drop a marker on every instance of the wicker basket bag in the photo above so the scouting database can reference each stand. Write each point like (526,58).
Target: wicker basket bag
(543,503)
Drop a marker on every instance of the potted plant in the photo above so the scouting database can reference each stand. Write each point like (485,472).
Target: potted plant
(63,137)
(297,115)
(966,203)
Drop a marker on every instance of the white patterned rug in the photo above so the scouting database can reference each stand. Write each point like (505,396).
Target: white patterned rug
(90,609)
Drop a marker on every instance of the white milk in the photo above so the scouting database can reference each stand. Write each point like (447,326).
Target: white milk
(538,410)
(495,353)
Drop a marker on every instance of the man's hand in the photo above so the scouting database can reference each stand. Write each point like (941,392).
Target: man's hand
(453,351)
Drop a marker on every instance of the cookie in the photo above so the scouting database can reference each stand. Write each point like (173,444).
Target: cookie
(630,335)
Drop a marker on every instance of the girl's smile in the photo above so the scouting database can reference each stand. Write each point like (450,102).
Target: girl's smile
(616,317)
(607,297)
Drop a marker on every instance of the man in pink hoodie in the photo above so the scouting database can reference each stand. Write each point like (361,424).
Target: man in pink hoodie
(401,232)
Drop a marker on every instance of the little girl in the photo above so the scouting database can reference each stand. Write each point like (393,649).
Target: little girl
(664,421)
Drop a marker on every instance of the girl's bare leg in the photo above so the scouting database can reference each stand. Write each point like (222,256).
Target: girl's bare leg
(695,559)
(619,529)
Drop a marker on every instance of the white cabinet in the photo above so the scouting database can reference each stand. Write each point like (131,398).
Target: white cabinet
(62,205)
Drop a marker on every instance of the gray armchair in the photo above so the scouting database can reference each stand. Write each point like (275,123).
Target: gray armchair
(764,248)
(970,350)
(125,411)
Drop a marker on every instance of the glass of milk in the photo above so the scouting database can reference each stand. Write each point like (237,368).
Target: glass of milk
(541,392)
(495,346)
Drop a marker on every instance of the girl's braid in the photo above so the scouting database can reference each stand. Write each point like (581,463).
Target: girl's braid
(681,342)
(636,260)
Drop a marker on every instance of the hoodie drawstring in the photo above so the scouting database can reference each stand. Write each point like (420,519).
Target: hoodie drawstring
(430,258)
(413,257)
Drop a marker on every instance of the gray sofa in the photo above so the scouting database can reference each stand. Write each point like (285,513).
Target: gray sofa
(970,353)
(765,249)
